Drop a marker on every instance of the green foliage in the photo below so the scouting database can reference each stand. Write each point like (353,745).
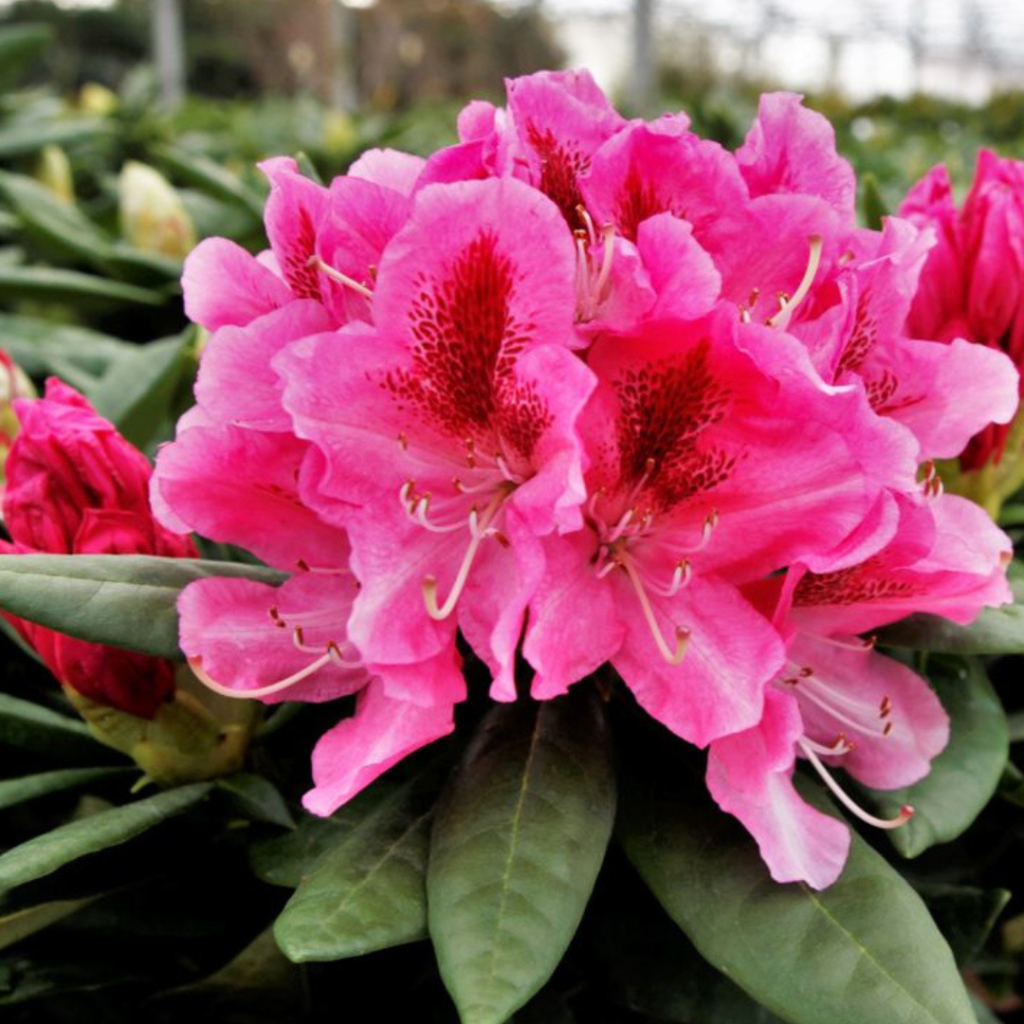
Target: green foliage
(124,600)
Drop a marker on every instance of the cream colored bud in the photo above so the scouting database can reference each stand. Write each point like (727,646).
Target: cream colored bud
(153,217)
(54,172)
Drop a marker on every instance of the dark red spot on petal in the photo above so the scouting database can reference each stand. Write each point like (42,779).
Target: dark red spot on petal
(302,278)
(561,167)
(855,585)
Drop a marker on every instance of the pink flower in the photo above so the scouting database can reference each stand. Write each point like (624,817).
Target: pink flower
(707,470)
(971,284)
(837,701)
(451,423)
(75,486)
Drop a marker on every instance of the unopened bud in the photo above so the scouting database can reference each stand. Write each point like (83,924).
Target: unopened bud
(153,217)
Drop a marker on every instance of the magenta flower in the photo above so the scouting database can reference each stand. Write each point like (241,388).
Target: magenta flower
(839,702)
(971,283)
(706,472)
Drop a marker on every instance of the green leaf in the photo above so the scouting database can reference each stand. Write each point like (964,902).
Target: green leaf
(31,787)
(127,601)
(256,798)
(64,228)
(965,775)
(994,631)
(50,285)
(287,859)
(44,854)
(41,347)
(38,730)
(865,949)
(516,848)
(203,173)
(137,391)
(367,892)
(872,205)
(19,46)
(28,135)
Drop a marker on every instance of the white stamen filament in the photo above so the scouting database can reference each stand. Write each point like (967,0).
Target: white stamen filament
(607,255)
(906,812)
(673,657)
(337,275)
(841,708)
(480,529)
(680,578)
(263,691)
(841,746)
(588,221)
(787,306)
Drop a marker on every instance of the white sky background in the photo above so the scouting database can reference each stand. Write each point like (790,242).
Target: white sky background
(966,47)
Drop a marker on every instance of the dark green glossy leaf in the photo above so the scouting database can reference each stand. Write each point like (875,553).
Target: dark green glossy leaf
(44,854)
(287,859)
(38,730)
(255,798)
(31,787)
(124,600)
(516,848)
(367,892)
(864,949)
(965,775)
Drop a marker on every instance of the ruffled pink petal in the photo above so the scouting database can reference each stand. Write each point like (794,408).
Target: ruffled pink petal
(239,487)
(241,635)
(731,655)
(389,168)
(750,776)
(888,712)
(225,286)
(380,734)
(792,149)
(292,215)
(574,625)
(682,273)
(237,383)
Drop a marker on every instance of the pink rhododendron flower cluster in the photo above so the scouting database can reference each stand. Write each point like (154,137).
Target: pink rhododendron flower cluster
(76,486)
(588,390)
(971,284)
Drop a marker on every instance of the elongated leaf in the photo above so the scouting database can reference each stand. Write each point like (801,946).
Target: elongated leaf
(124,600)
(864,949)
(137,390)
(256,798)
(368,892)
(53,285)
(516,849)
(966,774)
(31,787)
(44,854)
(63,228)
(965,915)
(38,730)
(287,859)
(204,173)
(23,923)
(41,347)
(27,135)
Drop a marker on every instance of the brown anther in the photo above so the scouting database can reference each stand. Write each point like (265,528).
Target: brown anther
(403,441)
(885,708)
(332,646)
(299,635)
(806,672)
(887,729)
(870,642)
(303,565)
(783,298)
(371,270)
(752,301)
(791,681)
(501,539)
(650,465)
(274,613)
